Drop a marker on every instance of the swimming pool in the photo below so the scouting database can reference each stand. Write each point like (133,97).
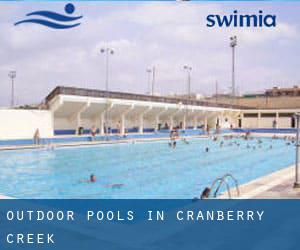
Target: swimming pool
(147,170)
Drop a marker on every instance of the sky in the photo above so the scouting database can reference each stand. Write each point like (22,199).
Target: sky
(144,34)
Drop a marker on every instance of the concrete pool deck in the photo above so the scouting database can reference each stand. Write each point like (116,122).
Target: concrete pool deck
(277,185)
(130,140)
(101,142)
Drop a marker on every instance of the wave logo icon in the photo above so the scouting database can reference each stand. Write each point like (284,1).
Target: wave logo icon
(53,20)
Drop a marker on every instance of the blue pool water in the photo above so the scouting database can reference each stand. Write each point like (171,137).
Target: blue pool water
(147,170)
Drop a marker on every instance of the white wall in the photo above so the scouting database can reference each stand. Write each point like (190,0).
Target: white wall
(284,122)
(22,124)
(64,123)
(249,122)
(267,122)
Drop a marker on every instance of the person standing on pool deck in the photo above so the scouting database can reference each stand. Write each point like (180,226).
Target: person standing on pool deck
(119,127)
(36,137)
(93,132)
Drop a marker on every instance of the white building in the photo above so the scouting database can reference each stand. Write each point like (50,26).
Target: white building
(70,109)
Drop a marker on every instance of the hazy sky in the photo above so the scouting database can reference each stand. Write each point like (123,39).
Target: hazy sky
(167,35)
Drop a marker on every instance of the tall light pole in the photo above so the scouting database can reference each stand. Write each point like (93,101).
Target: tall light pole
(297,181)
(149,72)
(188,70)
(12,75)
(233,44)
(153,79)
(153,72)
(107,51)
(217,91)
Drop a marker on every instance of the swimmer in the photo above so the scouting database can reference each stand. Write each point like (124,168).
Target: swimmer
(205,193)
(117,185)
(270,147)
(185,141)
(248,146)
(93,178)
(174,144)
(207,149)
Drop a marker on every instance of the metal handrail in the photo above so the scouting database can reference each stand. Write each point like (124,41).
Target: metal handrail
(220,181)
(235,182)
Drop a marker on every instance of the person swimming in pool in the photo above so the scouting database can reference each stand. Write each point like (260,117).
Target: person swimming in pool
(205,193)
(116,185)
(207,149)
(172,144)
(185,141)
(92,178)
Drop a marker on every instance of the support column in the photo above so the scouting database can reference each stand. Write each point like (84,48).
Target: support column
(258,119)
(77,116)
(156,122)
(277,120)
(123,119)
(242,119)
(157,118)
(141,119)
(141,124)
(195,123)
(184,122)
(101,128)
(205,123)
(78,122)
(171,122)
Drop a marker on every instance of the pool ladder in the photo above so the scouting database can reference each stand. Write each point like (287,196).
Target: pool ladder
(223,180)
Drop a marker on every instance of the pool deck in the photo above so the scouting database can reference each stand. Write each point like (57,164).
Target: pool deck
(130,140)
(277,185)
(98,142)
